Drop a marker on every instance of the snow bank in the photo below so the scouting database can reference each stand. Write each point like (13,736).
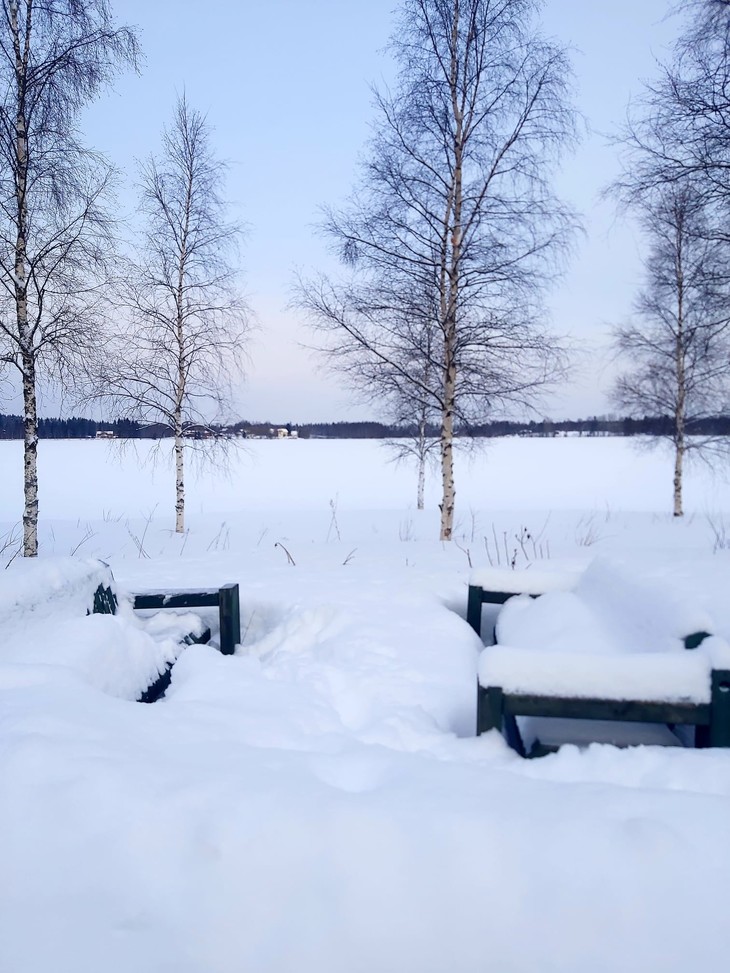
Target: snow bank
(44,604)
(318,802)
(107,652)
(33,589)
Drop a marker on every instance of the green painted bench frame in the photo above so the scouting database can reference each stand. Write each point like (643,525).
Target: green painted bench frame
(499,710)
(226,599)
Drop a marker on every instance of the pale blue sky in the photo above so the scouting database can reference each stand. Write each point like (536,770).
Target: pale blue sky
(285,84)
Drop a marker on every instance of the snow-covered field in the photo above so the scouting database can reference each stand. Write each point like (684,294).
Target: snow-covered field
(318,802)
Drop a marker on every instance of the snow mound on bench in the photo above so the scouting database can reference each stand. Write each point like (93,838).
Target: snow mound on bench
(32,589)
(44,605)
(611,610)
(108,652)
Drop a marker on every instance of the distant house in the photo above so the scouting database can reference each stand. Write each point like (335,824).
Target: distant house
(280,433)
(105,434)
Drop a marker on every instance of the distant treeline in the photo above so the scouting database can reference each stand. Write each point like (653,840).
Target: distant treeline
(595,426)
(11,427)
(605,426)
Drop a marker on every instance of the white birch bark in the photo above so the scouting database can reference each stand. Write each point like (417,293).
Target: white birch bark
(422,455)
(678,469)
(179,482)
(681,401)
(448,499)
(30,460)
(450,293)
(181,357)
(24,331)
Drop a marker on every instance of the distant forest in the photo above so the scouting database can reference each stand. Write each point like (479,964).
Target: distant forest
(11,427)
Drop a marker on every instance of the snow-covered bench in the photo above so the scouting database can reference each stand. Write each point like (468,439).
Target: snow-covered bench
(43,602)
(650,688)
(225,599)
(613,649)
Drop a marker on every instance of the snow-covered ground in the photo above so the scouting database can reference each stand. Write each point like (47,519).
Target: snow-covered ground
(318,802)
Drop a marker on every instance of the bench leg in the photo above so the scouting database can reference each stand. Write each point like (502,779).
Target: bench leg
(719,735)
(491,715)
(512,735)
(490,709)
(474,608)
(229,613)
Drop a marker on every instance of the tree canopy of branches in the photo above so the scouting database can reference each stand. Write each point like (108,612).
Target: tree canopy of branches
(55,56)
(679,344)
(173,367)
(676,180)
(680,127)
(453,228)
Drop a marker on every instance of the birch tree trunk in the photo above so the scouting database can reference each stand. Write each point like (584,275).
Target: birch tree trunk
(422,454)
(179,481)
(448,498)
(180,387)
(181,358)
(178,425)
(30,459)
(678,465)
(681,401)
(449,300)
(420,496)
(26,342)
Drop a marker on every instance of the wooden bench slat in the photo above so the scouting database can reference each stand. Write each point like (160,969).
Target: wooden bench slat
(624,710)
(177,599)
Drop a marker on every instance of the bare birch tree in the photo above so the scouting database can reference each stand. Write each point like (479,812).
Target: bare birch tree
(409,404)
(680,128)
(676,181)
(679,343)
(419,448)
(454,203)
(55,56)
(174,366)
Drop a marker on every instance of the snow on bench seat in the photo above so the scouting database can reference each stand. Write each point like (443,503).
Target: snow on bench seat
(529,582)
(649,677)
